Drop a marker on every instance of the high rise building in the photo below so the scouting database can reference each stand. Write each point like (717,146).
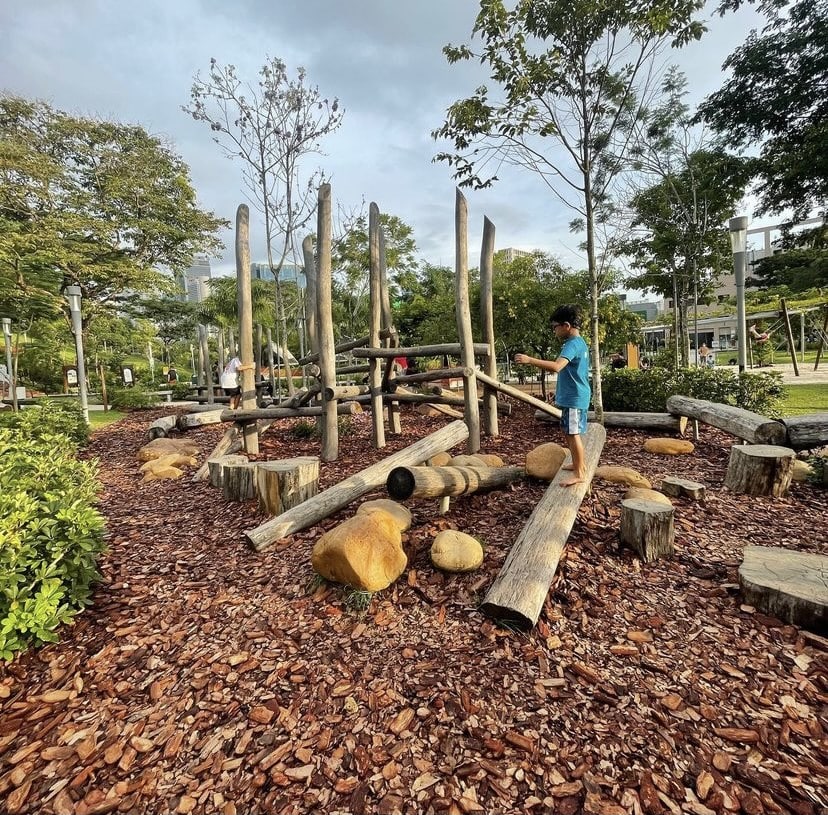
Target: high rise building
(197,280)
(290,273)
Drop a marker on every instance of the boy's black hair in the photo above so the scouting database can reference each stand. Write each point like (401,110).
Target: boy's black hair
(568,314)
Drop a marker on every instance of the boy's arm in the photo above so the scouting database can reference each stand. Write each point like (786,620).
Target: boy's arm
(553,365)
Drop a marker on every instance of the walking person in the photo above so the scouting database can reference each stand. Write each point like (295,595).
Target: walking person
(573,391)
(230,380)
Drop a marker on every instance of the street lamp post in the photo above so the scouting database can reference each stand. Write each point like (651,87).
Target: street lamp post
(73,295)
(738,244)
(9,370)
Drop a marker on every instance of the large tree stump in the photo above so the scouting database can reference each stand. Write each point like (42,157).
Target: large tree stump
(286,483)
(760,469)
(238,482)
(215,467)
(647,526)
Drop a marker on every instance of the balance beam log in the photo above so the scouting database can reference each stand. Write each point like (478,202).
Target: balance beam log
(161,428)
(741,423)
(345,409)
(519,591)
(436,482)
(518,394)
(199,419)
(340,495)
(805,432)
(664,422)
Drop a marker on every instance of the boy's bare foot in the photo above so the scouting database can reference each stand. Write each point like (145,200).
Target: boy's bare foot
(577,479)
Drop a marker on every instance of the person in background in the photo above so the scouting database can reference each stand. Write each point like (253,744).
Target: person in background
(617,361)
(573,392)
(172,375)
(230,380)
(704,353)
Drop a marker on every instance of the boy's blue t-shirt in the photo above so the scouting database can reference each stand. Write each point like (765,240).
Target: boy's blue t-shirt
(573,388)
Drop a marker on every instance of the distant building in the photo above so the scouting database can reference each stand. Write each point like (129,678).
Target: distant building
(289,273)
(196,282)
(511,254)
(648,310)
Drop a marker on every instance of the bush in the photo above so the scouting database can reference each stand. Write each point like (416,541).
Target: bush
(49,418)
(629,389)
(181,391)
(52,537)
(131,399)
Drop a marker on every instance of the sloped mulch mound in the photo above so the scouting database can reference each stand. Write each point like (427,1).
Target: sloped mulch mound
(207,678)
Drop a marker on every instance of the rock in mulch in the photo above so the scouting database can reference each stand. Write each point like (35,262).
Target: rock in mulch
(644,494)
(454,551)
(164,447)
(400,514)
(545,460)
(621,475)
(669,447)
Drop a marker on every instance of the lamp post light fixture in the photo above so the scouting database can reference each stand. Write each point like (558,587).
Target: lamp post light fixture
(738,244)
(9,370)
(73,295)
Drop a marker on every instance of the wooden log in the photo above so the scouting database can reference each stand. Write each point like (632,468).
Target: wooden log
(681,487)
(204,356)
(518,394)
(347,370)
(760,469)
(343,493)
(786,321)
(247,380)
(238,482)
(349,345)
(448,398)
(310,297)
(286,483)
(375,317)
(426,376)
(346,391)
(345,409)
(230,442)
(807,431)
(199,418)
(741,423)
(490,425)
(436,482)
(161,428)
(519,591)
(393,407)
(215,467)
(647,526)
(664,422)
(324,316)
(452,348)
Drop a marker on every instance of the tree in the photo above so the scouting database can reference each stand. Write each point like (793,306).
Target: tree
(774,99)
(424,309)
(91,203)
(272,126)
(802,265)
(174,319)
(571,72)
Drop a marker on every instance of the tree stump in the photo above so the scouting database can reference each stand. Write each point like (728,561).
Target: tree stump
(238,482)
(647,526)
(286,483)
(216,465)
(760,469)
(682,487)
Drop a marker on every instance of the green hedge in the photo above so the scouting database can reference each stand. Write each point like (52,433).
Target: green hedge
(135,398)
(630,389)
(51,535)
(50,417)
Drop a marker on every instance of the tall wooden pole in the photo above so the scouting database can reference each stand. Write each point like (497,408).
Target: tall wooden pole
(391,340)
(311,322)
(463,315)
(257,353)
(270,365)
(375,300)
(786,319)
(245,309)
(327,353)
(487,321)
(204,356)
(822,336)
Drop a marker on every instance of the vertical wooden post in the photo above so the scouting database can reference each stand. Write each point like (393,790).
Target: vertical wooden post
(231,343)
(204,356)
(270,365)
(222,358)
(822,336)
(463,315)
(375,300)
(245,309)
(327,352)
(257,352)
(311,323)
(102,375)
(786,318)
(487,322)
(200,372)
(393,341)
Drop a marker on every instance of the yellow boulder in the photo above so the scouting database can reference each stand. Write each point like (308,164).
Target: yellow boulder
(545,460)
(170,460)
(164,447)
(158,473)
(801,470)
(440,460)
(669,447)
(454,551)
(491,459)
(469,461)
(621,475)
(364,552)
(400,514)
(645,494)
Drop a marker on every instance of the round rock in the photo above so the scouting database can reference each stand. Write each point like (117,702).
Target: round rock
(399,513)
(644,494)
(621,475)
(545,460)
(669,447)
(454,551)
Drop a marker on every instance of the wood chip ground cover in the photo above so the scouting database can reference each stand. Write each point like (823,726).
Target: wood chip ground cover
(207,678)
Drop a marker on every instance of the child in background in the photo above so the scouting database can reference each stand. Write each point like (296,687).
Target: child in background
(572,392)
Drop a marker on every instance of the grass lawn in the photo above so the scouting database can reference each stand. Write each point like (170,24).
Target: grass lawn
(97,418)
(805,399)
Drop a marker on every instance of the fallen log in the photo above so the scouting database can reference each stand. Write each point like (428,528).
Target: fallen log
(199,419)
(806,432)
(664,422)
(161,428)
(344,409)
(453,348)
(334,498)
(518,394)
(519,591)
(436,482)
(426,376)
(741,423)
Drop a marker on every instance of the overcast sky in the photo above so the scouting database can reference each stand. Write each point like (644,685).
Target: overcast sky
(134,62)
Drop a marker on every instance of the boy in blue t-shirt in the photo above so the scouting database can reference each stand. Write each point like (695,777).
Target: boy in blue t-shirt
(573,391)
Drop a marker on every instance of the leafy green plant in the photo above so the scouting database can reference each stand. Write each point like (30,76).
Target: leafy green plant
(304,430)
(50,418)
(181,391)
(358,600)
(131,399)
(52,537)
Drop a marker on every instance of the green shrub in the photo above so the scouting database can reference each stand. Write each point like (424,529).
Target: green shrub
(304,430)
(52,536)
(181,391)
(49,417)
(131,399)
(630,389)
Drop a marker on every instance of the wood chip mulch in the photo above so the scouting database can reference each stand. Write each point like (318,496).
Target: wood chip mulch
(207,678)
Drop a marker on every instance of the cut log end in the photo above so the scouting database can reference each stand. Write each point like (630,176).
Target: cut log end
(508,617)
(400,483)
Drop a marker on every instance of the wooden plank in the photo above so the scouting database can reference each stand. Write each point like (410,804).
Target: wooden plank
(545,407)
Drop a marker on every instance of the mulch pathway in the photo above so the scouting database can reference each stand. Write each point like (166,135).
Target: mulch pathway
(207,678)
